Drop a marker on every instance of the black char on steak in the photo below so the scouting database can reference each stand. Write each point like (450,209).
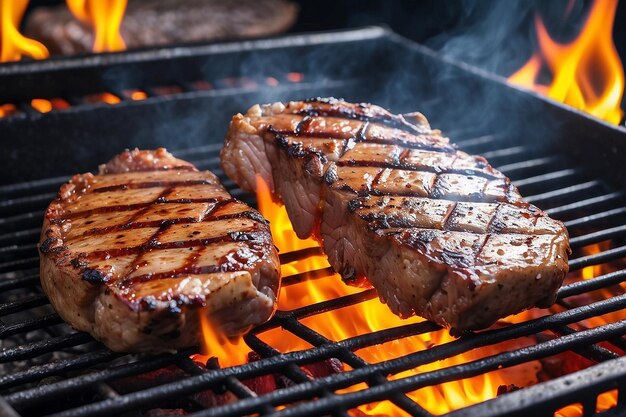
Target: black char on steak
(437,232)
(135,254)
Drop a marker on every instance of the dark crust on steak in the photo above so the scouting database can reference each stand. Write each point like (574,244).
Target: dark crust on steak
(108,258)
(378,185)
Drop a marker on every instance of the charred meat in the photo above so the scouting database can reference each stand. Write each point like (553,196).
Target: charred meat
(134,254)
(437,232)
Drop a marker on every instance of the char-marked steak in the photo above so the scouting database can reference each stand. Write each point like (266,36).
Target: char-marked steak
(135,254)
(437,232)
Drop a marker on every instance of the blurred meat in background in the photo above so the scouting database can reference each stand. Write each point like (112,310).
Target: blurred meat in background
(159,22)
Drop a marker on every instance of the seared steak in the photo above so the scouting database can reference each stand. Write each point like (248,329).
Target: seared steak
(436,231)
(134,254)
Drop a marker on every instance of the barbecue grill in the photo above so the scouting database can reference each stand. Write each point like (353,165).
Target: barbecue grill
(562,160)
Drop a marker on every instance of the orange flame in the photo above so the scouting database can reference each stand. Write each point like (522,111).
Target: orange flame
(214,344)
(105,16)
(371,316)
(13,45)
(606,400)
(593,271)
(586,73)
(364,317)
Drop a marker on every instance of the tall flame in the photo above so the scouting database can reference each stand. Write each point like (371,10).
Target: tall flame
(14,45)
(587,72)
(214,344)
(105,16)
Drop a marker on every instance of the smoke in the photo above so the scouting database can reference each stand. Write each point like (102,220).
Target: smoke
(492,35)
(499,36)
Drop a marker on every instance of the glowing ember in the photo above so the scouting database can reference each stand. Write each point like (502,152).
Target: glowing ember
(586,73)
(606,401)
(41,105)
(109,98)
(295,77)
(271,81)
(103,98)
(138,95)
(13,45)
(105,17)
(7,109)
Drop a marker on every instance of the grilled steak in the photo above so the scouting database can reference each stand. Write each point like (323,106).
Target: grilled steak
(134,255)
(436,231)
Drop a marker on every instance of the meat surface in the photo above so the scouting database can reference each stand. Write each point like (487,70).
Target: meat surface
(437,232)
(163,22)
(135,254)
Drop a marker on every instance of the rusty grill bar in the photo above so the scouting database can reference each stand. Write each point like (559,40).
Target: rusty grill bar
(49,369)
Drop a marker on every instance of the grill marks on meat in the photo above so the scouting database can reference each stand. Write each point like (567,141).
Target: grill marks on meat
(132,254)
(438,232)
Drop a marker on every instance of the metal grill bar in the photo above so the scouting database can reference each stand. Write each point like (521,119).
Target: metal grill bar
(602,281)
(539,179)
(23,304)
(291,371)
(289,319)
(598,258)
(338,381)
(49,392)
(508,359)
(481,140)
(550,195)
(506,152)
(231,383)
(594,212)
(347,356)
(8,283)
(606,376)
(20,221)
(593,352)
(19,264)
(527,164)
(54,368)
(585,221)
(599,236)
(30,324)
(586,203)
(307,276)
(33,349)
(21,236)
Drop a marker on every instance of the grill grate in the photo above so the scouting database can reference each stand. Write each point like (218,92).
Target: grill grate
(49,368)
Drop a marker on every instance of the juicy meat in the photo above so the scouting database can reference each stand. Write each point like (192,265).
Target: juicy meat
(437,232)
(134,254)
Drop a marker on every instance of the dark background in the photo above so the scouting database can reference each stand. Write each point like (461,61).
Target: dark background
(492,34)
(495,35)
